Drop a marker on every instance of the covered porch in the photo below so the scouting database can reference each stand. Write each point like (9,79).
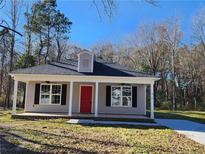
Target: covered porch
(77,115)
(96,81)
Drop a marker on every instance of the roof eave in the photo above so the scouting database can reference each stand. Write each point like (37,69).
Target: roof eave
(20,74)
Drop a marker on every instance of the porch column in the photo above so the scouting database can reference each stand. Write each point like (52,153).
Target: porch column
(15,97)
(152,101)
(145,98)
(96,98)
(26,96)
(70,99)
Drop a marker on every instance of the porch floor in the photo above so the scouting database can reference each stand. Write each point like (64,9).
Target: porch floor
(77,115)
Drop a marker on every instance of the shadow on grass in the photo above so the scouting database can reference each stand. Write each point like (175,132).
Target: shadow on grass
(122,126)
(79,138)
(175,115)
(51,146)
(8,148)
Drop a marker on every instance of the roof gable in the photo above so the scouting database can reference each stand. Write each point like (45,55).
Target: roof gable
(85,52)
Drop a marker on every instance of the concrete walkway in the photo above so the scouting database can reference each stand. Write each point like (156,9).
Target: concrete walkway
(85,121)
(192,130)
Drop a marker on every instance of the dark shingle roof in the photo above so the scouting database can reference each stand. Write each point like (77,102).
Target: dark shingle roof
(101,68)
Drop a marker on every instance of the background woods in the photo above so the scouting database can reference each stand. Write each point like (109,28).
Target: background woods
(155,47)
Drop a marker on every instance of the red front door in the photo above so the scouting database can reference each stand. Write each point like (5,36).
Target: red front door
(85,99)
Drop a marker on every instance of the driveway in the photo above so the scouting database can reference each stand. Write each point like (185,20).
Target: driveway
(192,130)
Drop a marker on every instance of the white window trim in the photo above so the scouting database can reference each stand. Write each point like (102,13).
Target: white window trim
(50,94)
(121,100)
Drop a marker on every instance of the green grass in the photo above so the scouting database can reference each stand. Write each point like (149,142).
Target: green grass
(118,119)
(89,118)
(80,117)
(195,116)
(55,136)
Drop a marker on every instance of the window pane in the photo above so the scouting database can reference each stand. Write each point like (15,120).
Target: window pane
(56,89)
(116,91)
(45,89)
(45,99)
(126,101)
(116,96)
(55,99)
(126,91)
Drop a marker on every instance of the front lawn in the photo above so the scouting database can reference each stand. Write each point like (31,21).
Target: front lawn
(55,136)
(195,116)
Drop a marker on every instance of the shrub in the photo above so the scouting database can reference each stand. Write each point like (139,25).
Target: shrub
(159,97)
(166,105)
(201,105)
(1,101)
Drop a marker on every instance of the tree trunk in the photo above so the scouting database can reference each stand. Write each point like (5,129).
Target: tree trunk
(40,50)
(59,50)
(48,45)
(29,50)
(166,90)
(14,5)
(2,73)
(173,83)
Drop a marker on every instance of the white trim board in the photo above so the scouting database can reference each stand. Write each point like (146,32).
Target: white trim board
(78,78)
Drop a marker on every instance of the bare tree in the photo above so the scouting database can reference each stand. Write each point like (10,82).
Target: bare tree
(173,37)
(199,32)
(104,51)
(28,30)
(13,16)
(109,7)
(3,55)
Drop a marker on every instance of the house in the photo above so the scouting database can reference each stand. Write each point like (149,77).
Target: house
(86,85)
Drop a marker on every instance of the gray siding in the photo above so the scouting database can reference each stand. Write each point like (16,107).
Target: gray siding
(31,107)
(140,109)
(87,57)
(102,108)
(76,97)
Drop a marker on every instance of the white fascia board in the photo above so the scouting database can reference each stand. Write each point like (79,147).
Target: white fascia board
(75,78)
(90,53)
(92,64)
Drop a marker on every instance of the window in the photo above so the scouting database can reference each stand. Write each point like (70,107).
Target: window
(121,96)
(50,94)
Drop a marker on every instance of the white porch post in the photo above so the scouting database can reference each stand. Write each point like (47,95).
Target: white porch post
(26,96)
(15,97)
(145,98)
(152,101)
(96,98)
(70,99)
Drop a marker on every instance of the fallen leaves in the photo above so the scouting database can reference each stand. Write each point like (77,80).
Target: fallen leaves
(55,136)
